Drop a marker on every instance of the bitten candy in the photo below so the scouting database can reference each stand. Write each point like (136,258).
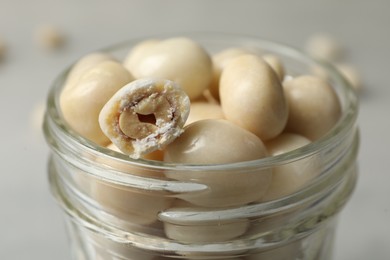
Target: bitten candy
(145,115)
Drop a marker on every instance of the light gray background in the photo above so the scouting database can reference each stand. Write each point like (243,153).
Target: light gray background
(30,222)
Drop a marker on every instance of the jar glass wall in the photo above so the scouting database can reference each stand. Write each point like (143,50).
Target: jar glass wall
(120,208)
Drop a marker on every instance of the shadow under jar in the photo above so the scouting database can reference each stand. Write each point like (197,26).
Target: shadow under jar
(120,208)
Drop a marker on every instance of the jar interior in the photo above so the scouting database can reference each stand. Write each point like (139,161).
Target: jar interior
(121,208)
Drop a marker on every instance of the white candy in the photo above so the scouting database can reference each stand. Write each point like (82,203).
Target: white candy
(325,47)
(204,110)
(126,207)
(84,64)
(220,60)
(351,75)
(215,141)
(201,231)
(178,59)
(138,53)
(290,177)
(49,37)
(135,207)
(252,96)
(313,104)
(276,64)
(82,101)
(205,232)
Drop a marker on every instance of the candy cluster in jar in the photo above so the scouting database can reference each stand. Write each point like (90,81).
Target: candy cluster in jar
(170,100)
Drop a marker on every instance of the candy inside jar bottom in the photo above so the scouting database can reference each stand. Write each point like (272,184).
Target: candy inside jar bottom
(315,246)
(287,235)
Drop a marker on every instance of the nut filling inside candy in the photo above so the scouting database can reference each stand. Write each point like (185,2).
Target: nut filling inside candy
(145,115)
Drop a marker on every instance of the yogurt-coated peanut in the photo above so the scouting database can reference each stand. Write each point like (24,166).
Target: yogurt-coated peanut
(325,47)
(49,37)
(145,115)
(288,178)
(276,64)
(213,141)
(200,231)
(126,207)
(220,60)
(351,75)
(138,53)
(135,207)
(178,59)
(82,101)
(252,96)
(205,232)
(313,104)
(204,110)
(84,64)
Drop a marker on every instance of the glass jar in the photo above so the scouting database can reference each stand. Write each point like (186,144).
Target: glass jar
(120,208)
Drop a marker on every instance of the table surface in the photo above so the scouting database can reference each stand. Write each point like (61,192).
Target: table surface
(31,223)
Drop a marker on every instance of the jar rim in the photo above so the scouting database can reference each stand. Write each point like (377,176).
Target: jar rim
(337,133)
